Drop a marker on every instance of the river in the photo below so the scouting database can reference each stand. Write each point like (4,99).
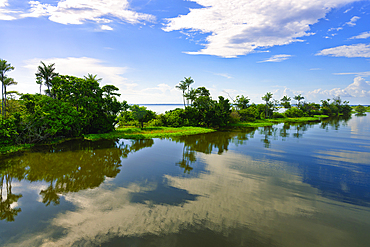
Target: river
(286,185)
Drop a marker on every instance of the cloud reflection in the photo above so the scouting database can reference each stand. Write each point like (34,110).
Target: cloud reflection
(228,197)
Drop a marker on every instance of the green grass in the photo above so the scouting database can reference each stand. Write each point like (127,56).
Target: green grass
(149,132)
(270,122)
(257,123)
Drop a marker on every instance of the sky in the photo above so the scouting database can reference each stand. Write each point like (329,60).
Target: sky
(320,48)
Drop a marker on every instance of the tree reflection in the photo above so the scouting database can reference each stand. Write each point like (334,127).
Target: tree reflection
(208,143)
(188,158)
(268,132)
(334,122)
(7,212)
(68,167)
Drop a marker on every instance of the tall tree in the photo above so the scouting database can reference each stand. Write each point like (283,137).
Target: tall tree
(182,86)
(285,101)
(4,68)
(241,102)
(188,81)
(267,98)
(46,73)
(7,82)
(298,98)
(92,77)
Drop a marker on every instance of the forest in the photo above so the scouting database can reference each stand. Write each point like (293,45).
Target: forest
(72,107)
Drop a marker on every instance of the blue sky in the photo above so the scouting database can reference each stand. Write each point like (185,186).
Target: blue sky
(319,49)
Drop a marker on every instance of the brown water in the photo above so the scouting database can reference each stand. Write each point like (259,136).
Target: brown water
(287,185)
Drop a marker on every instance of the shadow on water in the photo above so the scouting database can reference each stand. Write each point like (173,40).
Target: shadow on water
(68,167)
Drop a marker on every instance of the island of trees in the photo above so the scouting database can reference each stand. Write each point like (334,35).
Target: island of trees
(74,107)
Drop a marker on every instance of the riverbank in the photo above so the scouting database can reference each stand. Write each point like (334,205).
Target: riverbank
(149,132)
(271,122)
(164,132)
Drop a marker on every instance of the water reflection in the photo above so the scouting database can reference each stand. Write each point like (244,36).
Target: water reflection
(68,167)
(7,198)
(286,185)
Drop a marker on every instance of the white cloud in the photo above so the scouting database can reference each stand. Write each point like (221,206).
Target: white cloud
(81,67)
(6,14)
(335,29)
(133,92)
(363,35)
(277,58)
(106,27)
(358,89)
(348,10)
(352,22)
(245,26)
(70,66)
(81,11)
(358,50)
(366,73)
(223,75)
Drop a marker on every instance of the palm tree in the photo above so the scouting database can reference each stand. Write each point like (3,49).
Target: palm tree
(188,81)
(4,67)
(285,101)
(7,82)
(185,85)
(47,74)
(182,86)
(267,98)
(92,77)
(298,98)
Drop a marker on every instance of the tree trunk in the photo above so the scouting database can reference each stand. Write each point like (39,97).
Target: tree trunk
(4,101)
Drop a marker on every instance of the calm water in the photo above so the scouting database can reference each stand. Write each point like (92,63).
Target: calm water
(289,185)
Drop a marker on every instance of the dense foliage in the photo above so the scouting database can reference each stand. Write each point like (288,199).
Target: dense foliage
(73,107)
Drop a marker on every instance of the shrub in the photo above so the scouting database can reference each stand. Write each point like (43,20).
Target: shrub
(234,117)
(250,114)
(293,112)
(278,115)
(360,109)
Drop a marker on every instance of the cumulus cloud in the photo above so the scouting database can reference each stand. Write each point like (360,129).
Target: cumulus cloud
(81,11)
(359,88)
(245,26)
(363,35)
(81,66)
(358,50)
(277,58)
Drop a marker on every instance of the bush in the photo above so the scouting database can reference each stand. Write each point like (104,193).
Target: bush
(278,115)
(360,109)
(234,117)
(8,130)
(249,115)
(174,118)
(293,112)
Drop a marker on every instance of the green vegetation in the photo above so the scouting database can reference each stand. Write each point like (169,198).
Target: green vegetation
(149,132)
(360,109)
(73,107)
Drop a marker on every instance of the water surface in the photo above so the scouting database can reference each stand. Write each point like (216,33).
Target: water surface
(286,185)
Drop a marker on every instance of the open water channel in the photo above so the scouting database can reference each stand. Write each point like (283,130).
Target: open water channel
(286,185)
